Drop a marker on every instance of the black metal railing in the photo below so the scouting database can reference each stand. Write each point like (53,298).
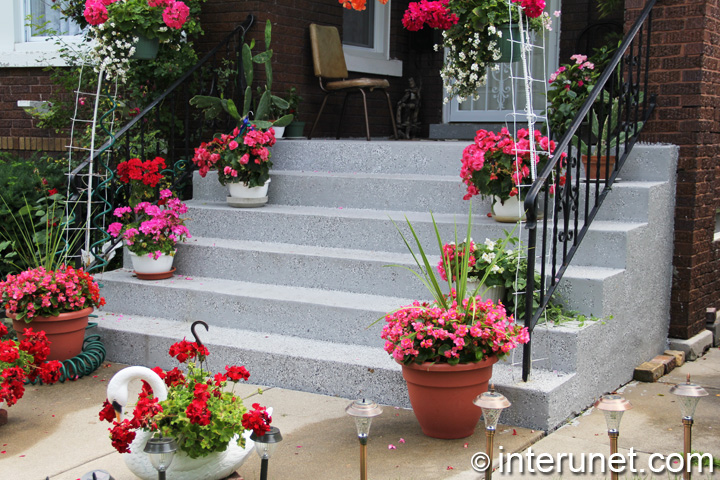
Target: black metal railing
(168,127)
(605,129)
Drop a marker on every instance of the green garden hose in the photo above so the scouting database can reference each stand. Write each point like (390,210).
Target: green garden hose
(89,360)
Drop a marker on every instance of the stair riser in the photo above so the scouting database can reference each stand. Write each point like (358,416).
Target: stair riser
(341,377)
(299,270)
(421,158)
(306,320)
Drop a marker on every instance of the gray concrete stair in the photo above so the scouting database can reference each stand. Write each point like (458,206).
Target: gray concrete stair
(291,288)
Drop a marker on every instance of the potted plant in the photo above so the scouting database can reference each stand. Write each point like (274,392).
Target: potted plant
(207,420)
(141,177)
(296,127)
(609,133)
(22,361)
(125,29)
(151,234)
(57,301)
(476,34)
(498,165)
(447,346)
(242,160)
(491,269)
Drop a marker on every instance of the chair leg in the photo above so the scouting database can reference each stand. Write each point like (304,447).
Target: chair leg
(342,114)
(312,130)
(367,122)
(392,117)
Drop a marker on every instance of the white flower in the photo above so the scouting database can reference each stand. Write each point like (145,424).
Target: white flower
(496,269)
(488,257)
(490,244)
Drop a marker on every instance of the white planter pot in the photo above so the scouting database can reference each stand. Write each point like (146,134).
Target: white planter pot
(279,132)
(241,190)
(496,293)
(145,264)
(509,212)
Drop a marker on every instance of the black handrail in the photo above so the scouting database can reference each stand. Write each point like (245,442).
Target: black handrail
(171,108)
(618,94)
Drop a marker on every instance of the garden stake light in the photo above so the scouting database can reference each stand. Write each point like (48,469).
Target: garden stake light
(363,411)
(613,406)
(492,404)
(161,451)
(265,446)
(689,394)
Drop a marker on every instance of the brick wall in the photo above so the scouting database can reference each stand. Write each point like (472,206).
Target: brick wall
(685,72)
(17,129)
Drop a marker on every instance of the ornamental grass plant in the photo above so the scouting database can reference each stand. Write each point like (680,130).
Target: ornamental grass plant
(451,328)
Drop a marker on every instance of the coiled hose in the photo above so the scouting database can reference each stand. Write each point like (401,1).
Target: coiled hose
(89,360)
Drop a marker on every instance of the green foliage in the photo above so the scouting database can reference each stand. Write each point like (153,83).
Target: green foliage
(293,100)
(609,124)
(194,439)
(30,213)
(267,111)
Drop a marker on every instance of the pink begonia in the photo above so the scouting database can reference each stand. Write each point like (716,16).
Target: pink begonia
(233,145)
(166,193)
(578,58)
(160,3)
(433,13)
(175,15)
(532,8)
(244,159)
(95,12)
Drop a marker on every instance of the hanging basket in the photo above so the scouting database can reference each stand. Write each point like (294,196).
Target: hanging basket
(145,48)
(509,50)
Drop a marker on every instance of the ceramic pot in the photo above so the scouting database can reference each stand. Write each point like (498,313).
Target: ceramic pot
(66,332)
(509,212)
(496,293)
(148,268)
(146,48)
(591,166)
(242,196)
(279,132)
(442,396)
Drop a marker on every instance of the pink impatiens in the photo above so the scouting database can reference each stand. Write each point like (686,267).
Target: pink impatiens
(174,14)
(466,332)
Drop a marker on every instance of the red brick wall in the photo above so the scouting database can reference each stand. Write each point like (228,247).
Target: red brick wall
(22,84)
(685,72)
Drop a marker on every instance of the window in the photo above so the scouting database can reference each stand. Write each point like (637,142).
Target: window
(23,46)
(366,40)
(717,225)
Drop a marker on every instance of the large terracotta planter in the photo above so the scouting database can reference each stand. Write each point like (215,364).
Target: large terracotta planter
(442,396)
(66,332)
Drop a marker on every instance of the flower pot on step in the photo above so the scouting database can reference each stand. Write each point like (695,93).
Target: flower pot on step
(243,196)
(149,268)
(442,396)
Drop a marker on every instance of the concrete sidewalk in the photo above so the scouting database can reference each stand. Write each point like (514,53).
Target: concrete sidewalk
(54,431)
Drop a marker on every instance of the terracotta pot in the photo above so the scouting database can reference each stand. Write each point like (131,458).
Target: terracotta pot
(66,332)
(442,396)
(591,166)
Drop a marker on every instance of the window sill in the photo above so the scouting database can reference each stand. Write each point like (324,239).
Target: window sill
(35,54)
(374,64)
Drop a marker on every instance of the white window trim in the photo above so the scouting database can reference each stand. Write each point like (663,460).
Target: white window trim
(16,52)
(375,60)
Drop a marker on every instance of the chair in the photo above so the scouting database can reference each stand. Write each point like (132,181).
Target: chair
(329,62)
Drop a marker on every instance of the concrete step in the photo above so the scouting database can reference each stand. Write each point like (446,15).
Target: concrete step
(330,368)
(646,162)
(331,316)
(374,231)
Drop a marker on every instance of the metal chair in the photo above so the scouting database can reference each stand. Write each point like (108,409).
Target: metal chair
(329,62)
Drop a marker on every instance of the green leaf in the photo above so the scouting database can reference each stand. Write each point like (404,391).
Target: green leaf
(284,121)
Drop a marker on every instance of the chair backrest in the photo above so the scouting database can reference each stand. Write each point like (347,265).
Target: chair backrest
(327,51)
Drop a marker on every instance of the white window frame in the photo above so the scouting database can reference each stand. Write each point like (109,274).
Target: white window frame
(375,60)
(15,51)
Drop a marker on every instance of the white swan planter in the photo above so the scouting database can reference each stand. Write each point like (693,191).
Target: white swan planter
(215,466)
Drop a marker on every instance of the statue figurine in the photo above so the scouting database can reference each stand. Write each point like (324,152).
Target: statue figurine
(408,109)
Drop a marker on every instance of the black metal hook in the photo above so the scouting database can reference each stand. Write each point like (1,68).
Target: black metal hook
(192,329)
